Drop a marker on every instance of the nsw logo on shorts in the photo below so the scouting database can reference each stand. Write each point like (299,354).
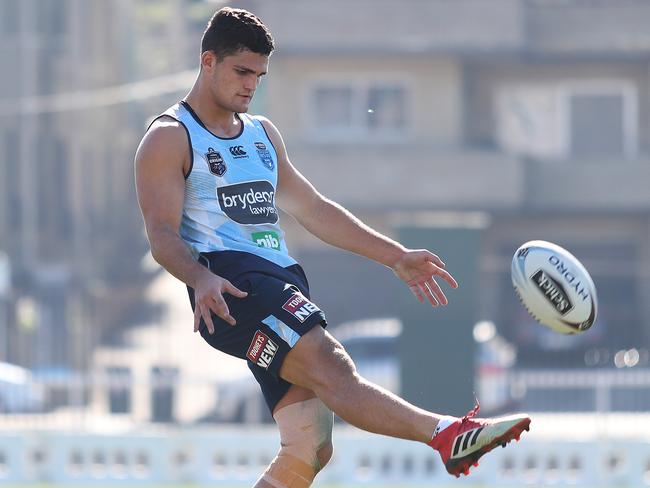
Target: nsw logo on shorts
(300,307)
(262,350)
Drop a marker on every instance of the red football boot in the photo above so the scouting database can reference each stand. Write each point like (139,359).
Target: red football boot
(463,442)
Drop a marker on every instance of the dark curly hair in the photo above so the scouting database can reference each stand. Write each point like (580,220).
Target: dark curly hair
(232,29)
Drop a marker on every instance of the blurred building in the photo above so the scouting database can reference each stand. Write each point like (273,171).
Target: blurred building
(531,111)
(534,112)
(68,131)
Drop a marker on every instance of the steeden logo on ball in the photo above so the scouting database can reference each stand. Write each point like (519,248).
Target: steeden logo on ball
(553,291)
(554,287)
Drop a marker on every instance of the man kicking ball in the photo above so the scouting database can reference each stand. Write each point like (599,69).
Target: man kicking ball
(210,178)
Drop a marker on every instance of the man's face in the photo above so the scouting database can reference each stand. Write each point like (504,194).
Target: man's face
(234,78)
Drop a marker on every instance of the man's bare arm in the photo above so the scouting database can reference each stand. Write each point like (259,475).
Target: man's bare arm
(324,218)
(160,164)
(334,224)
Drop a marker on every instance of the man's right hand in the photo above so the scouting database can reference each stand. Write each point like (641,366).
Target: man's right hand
(208,299)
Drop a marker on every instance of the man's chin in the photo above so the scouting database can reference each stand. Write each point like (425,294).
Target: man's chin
(244,104)
(240,108)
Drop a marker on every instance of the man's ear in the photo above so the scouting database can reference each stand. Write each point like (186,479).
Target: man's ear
(208,60)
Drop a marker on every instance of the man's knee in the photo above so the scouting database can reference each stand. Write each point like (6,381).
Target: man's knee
(306,431)
(324,454)
(306,439)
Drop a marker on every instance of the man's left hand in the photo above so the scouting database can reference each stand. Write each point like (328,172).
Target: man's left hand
(418,269)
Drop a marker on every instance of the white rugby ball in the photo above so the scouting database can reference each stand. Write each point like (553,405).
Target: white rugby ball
(554,286)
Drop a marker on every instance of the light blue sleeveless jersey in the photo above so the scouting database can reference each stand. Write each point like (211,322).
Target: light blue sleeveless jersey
(230,190)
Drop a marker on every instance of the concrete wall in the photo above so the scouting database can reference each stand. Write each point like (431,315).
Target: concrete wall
(435,105)
(484,79)
(386,26)
(236,457)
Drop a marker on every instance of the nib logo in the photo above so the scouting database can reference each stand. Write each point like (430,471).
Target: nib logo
(268,239)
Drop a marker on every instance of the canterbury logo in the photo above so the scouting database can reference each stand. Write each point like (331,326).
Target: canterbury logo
(466,440)
(237,151)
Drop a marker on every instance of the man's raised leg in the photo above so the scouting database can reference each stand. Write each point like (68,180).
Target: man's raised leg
(319,363)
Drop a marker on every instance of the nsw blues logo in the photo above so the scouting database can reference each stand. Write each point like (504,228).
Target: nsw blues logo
(215,162)
(265,155)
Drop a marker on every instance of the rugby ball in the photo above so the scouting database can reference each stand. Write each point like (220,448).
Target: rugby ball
(554,286)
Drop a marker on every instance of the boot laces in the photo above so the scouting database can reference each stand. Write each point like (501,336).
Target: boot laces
(472,413)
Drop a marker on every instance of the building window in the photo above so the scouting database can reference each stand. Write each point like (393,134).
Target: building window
(358,110)
(52,186)
(10,18)
(334,107)
(12,181)
(586,120)
(51,18)
(596,124)
(119,389)
(386,110)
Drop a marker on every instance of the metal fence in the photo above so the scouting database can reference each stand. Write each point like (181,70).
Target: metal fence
(622,390)
(115,396)
(590,428)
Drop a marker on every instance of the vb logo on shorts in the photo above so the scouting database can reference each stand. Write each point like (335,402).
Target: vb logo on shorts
(268,239)
(300,307)
(262,350)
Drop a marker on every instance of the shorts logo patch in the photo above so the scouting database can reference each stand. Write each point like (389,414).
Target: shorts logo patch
(262,350)
(300,307)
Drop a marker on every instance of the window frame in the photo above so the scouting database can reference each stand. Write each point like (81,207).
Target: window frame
(560,93)
(629,94)
(359,131)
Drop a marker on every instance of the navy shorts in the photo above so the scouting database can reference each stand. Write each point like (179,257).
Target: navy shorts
(270,320)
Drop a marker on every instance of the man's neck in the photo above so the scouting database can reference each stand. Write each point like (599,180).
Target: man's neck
(220,122)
